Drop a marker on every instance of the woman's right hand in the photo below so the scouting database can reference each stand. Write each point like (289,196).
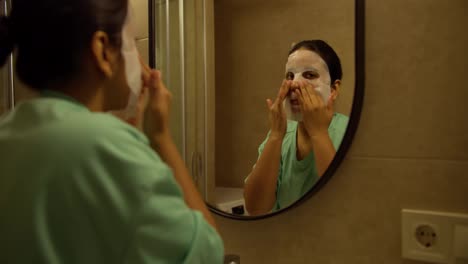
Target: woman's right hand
(157,127)
(159,102)
(277,115)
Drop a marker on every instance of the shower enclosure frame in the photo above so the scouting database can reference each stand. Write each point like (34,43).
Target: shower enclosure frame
(178,30)
(8,72)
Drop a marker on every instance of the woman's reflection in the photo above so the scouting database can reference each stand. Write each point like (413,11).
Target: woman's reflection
(304,130)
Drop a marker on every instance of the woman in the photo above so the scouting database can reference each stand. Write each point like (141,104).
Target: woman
(298,151)
(77,184)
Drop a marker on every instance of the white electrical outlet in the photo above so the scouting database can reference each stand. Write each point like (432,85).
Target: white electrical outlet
(431,236)
(426,236)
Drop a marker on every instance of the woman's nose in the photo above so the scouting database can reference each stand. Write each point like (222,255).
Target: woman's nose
(295,83)
(298,78)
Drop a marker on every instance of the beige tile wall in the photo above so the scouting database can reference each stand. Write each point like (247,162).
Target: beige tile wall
(142,46)
(252,40)
(140,9)
(410,150)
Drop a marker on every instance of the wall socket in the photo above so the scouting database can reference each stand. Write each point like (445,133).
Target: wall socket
(426,235)
(433,237)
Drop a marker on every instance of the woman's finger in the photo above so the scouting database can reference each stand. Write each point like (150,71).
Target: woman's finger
(324,102)
(145,72)
(157,87)
(313,95)
(160,84)
(319,98)
(330,104)
(304,100)
(300,99)
(269,103)
(145,66)
(145,78)
(283,91)
(307,101)
(153,83)
(143,96)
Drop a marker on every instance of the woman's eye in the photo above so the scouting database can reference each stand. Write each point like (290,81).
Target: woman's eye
(289,76)
(309,75)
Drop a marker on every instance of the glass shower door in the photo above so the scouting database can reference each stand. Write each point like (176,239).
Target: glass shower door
(6,72)
(180,43)
(169,59)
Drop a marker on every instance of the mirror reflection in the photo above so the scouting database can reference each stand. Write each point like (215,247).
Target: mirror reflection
(305,131)
(284,77)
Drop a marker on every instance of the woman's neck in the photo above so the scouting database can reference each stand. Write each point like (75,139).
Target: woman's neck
(86,94)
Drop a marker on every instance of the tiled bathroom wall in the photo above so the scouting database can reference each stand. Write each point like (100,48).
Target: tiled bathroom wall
(140,8)
(410,151)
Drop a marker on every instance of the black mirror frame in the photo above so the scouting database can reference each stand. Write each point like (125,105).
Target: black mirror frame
(151,34)
(354,116)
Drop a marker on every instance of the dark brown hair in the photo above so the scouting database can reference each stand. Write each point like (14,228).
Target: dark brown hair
(51,37)
(326,52)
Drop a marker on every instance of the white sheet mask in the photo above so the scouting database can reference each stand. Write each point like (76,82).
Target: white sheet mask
(295,116)
(132,62)
(302,61)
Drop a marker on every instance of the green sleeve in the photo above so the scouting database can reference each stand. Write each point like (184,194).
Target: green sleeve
(143,195)
(84,187)
(337,129)
(167,232)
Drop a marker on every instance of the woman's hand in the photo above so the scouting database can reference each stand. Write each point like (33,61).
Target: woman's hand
(260,189)
(277,115)
(157,128)
(137,120)
(316,115)
(159,103)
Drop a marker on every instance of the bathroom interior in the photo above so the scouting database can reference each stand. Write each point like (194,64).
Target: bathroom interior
(403,161)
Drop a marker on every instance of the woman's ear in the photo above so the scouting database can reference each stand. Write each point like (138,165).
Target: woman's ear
(335,89)
(104,54)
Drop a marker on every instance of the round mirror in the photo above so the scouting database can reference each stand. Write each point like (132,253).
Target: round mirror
(252,157)
(259,171)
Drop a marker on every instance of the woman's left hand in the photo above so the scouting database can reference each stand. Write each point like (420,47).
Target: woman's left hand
(316,115)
